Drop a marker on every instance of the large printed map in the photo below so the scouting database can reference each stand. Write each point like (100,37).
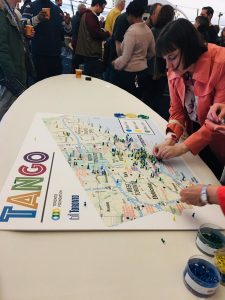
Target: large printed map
(97,173)
(114,162)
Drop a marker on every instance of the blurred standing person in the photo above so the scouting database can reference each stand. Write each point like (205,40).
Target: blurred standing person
(13,73)
(137,46)
(25,2)
(222,38)
(102,22)
(76,60)
(158,81)
(120,27)
(202,25)
(208,12)
(17,11)
(153,14)
(90,38)
(113,14)
(67,19)
(47,42)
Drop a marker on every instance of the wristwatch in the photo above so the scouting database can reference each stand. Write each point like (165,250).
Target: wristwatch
(203,194)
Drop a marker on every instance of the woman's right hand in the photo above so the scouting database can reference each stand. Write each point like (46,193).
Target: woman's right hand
(159,147)
(217,113)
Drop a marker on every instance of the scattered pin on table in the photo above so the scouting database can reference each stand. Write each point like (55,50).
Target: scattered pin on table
(163,241)
(85,203)
(174,218)
(193,215)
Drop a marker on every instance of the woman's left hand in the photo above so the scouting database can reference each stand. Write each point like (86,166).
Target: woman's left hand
(172,151)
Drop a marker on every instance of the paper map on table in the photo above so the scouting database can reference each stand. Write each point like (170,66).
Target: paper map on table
(83,172)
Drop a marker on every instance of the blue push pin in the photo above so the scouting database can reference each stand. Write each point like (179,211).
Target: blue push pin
(119,115)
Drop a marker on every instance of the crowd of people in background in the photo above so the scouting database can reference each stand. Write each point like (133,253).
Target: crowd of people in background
(170,65)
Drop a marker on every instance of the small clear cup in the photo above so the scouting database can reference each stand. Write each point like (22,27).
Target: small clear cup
(219,261)
(78,73)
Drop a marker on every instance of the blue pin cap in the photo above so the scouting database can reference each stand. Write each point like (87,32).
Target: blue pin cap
(119,115)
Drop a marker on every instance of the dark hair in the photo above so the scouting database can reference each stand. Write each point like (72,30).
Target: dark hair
(166,15)
(203,21)
(99,2)
(143,3)
(135,9)
(153,7)
(209,10)
(203,27)
(181,34)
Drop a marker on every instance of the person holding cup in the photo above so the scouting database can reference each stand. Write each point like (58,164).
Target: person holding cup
(48,22)
(13,73)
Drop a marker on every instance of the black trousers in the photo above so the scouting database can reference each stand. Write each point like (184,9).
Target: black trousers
(209,157)
(132,82)
(47,66)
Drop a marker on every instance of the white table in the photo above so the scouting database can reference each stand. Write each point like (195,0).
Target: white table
(88,265)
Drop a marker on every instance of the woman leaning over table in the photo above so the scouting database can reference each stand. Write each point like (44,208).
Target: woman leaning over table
(196,76)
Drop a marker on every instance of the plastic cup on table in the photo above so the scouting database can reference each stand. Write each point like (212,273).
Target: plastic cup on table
(219,261)
(78,73)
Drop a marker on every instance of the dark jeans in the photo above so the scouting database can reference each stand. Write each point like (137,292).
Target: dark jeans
(93,66)
(77,60)
(156,96)
(110,75)
(133,82)
(209,157)
(47,66)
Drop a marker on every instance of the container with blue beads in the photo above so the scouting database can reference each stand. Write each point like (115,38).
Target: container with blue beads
(201,277)
(209,239)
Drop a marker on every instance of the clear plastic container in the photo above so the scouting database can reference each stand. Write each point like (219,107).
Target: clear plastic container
(201,277)
(209,239)
(219,261)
